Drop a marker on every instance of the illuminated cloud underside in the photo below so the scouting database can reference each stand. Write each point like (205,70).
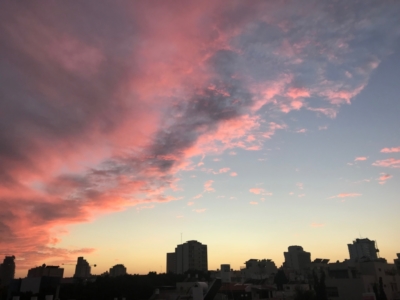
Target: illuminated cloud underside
(102,107)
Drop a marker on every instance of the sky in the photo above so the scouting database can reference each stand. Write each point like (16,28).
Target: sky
(128,127)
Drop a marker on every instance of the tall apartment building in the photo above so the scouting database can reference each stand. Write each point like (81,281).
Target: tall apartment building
(7,270)
(363,248)
(296,258)
(191,255)
(49,271)
(82,269)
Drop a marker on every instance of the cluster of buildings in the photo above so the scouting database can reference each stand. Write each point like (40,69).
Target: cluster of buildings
(47,278)
(363,276)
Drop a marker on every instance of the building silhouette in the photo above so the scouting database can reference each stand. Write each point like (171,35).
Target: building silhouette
(171,262)
(7,270)
(258,269)
(296,258)
(117,270)
(191,255)
(82,269)
(363,249)
(48,271)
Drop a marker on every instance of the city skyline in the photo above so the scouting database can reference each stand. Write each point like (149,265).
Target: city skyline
(127,128)
(367,251)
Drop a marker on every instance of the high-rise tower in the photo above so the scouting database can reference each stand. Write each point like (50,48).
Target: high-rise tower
(191,255)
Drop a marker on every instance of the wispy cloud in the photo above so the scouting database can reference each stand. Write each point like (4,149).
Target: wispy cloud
(145,207)
(391,150)
(90,82)
(317,225)
(200,210)
(360,158)
(387,163)
(384,177)
(233,174)
(300,185)
(221,171)
(208,186)
(190,203)
(253,202)
(346,195)
(260,191)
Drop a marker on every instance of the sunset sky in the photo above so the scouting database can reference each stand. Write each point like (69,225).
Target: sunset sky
(249,126)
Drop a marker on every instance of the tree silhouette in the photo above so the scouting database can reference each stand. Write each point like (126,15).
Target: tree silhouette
(280,279)
(319,286)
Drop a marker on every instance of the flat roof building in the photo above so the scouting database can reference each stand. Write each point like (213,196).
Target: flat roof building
(82,269)
(48,271)
(191,255)
(363,249)
(296,258)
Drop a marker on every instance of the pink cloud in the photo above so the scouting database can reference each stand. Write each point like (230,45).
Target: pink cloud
(292,105)
(71,152)
(190,203)
(384,177)
(208,186)
(360,158)
(303,130)
(301,195)
(329,112)
(233,174)
(346,195)
(298,93)
(317,225)
(300,185)
(260,191)
(390,150)
(253,203)
(200,210)
(272,128)
(256,191)
(221,171)
(388,163)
